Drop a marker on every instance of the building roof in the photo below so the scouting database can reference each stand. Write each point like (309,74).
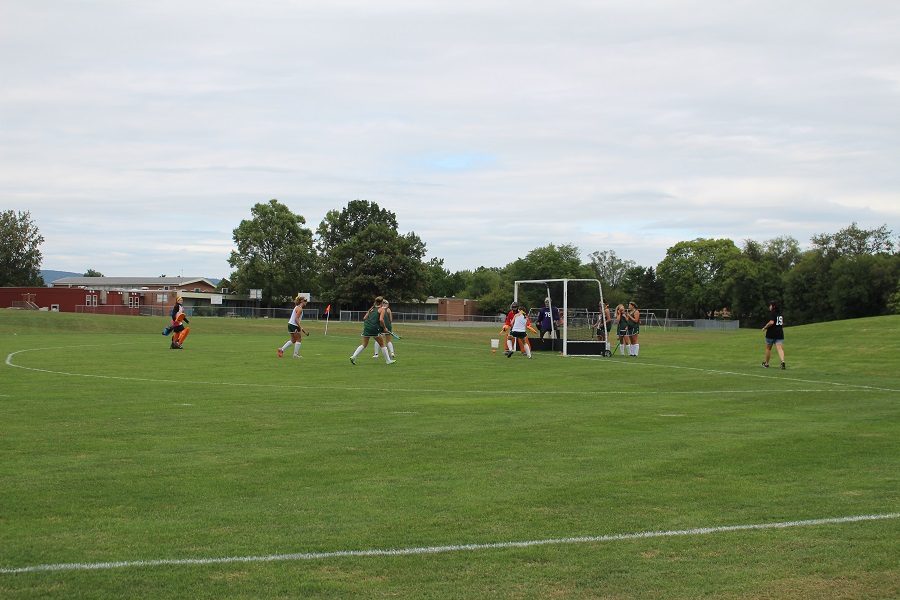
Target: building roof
(129,282)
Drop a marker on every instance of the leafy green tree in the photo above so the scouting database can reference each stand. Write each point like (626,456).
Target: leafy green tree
(363,256)
(850,273)
(340,225)
(807,288)
(862,285)
(893,303)
(609,268)
(440,283)
(20,254)
(274,253)
(855,241)
(490,286)
(550,262)
(643,288)
(694,275)
(93,273)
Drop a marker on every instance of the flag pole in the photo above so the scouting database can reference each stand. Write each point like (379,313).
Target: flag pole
(327,317)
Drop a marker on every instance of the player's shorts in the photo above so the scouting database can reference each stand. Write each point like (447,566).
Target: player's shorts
(371,331)
(633,330)
(293,328)
(622,331)
(178,328)
(774,341)
(518,334)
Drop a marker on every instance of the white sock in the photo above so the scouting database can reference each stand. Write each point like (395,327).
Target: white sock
(359,349)
(622,350)
(637,348)
(387,357)
(628,349)
(287,345)
(527,350)
(509,345)
(297,349)
(390,346)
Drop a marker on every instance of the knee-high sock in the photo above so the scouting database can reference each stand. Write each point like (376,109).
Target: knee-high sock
(358,350)
(296,348)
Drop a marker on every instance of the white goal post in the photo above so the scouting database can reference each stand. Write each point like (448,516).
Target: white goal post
(581,317)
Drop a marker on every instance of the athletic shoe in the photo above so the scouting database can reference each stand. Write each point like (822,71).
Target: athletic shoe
(353,360)
(390,362)
(280,352)
(374,356)
(783,367)
(765,365)
(297,356)
(508,353)
(393,356)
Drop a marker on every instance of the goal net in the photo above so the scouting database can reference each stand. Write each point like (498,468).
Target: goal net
(577,304)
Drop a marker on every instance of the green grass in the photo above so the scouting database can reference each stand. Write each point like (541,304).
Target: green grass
(115,448)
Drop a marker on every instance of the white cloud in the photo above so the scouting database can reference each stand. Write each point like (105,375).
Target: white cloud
(490,128)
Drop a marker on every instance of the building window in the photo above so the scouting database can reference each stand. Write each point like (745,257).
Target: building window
(162,298)
(134,302)
(224,290)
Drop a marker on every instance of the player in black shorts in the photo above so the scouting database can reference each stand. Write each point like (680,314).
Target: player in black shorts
(774,330)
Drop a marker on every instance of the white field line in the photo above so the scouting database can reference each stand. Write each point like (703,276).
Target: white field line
(496,392)
(300,556)
(854,386)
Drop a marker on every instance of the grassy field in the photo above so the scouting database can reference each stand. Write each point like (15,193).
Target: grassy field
(221,471)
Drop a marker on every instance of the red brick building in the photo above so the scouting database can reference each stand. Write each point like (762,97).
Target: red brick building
(114,295)
(456,309)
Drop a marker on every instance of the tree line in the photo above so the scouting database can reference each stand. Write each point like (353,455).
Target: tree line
(357,252)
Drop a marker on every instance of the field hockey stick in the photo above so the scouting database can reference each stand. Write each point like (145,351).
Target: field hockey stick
(616,348)
(305,332)
(392,334)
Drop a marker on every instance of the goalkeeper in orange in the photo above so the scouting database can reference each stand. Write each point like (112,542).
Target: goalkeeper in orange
(179,328)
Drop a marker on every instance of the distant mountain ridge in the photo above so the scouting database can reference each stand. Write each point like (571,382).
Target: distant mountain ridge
(51,276)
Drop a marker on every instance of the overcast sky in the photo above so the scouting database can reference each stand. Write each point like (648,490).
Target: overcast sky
(140,134)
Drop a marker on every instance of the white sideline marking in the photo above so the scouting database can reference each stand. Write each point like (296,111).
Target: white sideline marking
(437,549)
(854,386)
(496,392)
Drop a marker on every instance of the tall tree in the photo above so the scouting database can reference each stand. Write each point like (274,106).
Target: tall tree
(694,275)
(440,283)
(93,273)
(20,254)
(274,253)
(609,268)
(340,225)
(855,241)
(550,262)
(363,256)
(851,273)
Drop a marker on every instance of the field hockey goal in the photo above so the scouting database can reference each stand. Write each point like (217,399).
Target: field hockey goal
(577,302)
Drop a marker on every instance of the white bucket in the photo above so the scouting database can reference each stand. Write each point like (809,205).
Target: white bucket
(494,345)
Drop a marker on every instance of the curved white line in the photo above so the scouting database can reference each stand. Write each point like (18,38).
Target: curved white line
(496,392)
